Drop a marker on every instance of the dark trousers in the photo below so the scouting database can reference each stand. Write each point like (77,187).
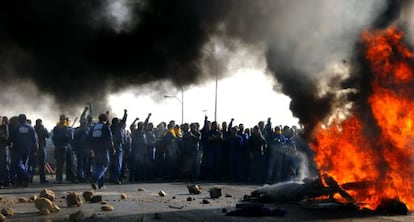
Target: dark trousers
(41,158)
(19,172)
(83,163)
(4,165)
(115,166)
(235,166)
(63,154)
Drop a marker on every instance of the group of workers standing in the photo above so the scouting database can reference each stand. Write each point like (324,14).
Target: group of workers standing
(170,151)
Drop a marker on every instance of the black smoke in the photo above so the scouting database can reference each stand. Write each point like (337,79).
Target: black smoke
(74,51)
(78,51)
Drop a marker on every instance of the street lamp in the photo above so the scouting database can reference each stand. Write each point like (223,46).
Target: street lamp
(216,74)
(181,101)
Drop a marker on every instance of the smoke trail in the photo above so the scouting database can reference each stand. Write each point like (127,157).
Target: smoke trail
(80,51)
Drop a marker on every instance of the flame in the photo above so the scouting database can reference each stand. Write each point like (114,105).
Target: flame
(344,149)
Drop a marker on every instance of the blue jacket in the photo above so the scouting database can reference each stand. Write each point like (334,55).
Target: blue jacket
(100,138)
(62,136)
(23,137)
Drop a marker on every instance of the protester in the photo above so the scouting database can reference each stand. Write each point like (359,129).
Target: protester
(24,143)
(62,139)
(4,153)
(102,145)
(42,136)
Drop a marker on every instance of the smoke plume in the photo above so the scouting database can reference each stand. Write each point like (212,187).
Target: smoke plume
(76,51)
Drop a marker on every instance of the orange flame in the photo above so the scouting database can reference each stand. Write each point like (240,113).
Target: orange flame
(346,153)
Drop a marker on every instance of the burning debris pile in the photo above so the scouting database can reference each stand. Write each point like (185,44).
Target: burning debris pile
(324,193)
(367,151)
(374,143)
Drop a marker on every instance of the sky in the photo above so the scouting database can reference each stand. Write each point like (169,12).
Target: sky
(247,96)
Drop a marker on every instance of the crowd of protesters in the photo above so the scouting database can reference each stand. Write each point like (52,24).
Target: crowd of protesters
(109,151)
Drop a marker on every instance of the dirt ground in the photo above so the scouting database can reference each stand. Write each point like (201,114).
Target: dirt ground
(143,203)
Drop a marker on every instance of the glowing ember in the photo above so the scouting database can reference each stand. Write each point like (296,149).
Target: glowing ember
(347,153)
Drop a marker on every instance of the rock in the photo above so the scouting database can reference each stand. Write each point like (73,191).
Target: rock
(215,192)
(78,216)
(141,189)
(3,218)
(173,197)
(73,199)
(87,195)
(96,199)
(107,208)
(175,206)
(45,206)
(124,196)
(7,211)
(194,189)
(46,193)
(104,202)
(228,195)
(205,201)
(21,200)
(33,198)
(162,193)
(189,199)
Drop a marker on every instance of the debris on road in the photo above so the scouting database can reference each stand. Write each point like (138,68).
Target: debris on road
(7,211)
(107,208)
(176,206)
(45,206)
(48,194)
(194,189)
(3,218)
(215,192)
(205,201)
(96,199)
(124,196)
(162,193)
(141,189)
(87,195)
(73,199)
(33,198)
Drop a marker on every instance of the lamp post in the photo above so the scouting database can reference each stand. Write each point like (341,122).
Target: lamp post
(216,74)
(181,102)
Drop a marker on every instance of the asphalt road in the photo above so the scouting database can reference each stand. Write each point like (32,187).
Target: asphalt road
(147,205)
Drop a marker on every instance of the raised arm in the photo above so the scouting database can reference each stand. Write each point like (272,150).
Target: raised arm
(132,126)
(147,121)
(124,118)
